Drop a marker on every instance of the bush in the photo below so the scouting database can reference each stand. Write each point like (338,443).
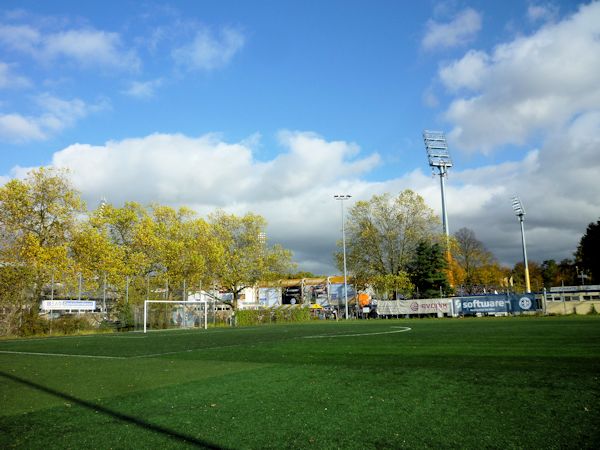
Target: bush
(70,324)
(248,317)
(31,324)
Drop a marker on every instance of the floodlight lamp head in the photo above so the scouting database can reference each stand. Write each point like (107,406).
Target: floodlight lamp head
(437,149)
(518,206)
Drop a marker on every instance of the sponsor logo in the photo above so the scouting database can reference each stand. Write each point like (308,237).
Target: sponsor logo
(525,303)
(476,304)
(414,306)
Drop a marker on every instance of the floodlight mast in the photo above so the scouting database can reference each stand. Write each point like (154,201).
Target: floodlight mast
(520,213)
(439,158)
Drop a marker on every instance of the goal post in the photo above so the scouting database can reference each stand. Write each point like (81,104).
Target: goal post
(175,314)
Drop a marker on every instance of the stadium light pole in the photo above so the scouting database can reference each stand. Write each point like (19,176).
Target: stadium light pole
(341,198)
(439,158)
(520,213)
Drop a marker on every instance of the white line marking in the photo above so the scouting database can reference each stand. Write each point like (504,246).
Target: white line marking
(63,355)
(402,330)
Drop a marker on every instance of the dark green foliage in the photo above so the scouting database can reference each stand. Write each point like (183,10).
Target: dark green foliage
(247,317)
(428,270)
(588,253)
(70,325)
(30,323)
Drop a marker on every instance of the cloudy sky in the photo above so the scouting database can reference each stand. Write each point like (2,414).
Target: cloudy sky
(275,106)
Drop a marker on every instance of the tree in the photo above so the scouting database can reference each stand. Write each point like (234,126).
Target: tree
(244,257)
(473,259)
(392,286)
(550,273)
(382,234)
(177,247)
(428,270)
(95,257)
(588,252)
(38,217)
(536,279)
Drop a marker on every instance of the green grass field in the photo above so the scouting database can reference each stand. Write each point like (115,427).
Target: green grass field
(471,383)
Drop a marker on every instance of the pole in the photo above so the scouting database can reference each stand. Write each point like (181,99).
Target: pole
(527,284)
(342,198)
(444,212)
(345,270)
(104,293)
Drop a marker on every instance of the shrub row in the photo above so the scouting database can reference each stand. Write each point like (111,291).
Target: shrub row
(247,317)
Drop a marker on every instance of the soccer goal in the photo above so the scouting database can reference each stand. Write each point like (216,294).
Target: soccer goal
(164,314)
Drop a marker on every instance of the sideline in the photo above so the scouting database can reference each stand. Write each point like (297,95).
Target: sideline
(69,355)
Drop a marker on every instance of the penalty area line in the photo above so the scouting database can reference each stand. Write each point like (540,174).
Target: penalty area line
(401,330)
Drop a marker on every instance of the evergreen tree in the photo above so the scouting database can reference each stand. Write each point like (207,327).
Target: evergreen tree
(428,270)
(588,252)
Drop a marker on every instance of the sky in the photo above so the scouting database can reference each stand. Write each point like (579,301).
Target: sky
(273,107)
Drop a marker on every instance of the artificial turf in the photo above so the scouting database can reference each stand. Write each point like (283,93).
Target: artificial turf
(445,383)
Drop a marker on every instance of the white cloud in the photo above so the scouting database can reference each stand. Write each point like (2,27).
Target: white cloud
(534,83)
(466,73)
(207,171)
(22,38)
(8,79)
(208,52)
(459,31)
(143,89)
(17,128)
(86,47)
(56,114)
(542,12)
(89,47)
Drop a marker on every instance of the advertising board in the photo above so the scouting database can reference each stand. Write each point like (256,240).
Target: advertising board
(494,304)
(410,307)
(68,305)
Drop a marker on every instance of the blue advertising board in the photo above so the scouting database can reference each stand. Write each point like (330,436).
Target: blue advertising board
(493,304)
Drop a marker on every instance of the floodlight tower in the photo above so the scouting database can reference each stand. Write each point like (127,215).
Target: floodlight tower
(520,213)
(439,158)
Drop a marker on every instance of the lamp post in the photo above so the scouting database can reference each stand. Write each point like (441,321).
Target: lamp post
(520,213)
(341,198)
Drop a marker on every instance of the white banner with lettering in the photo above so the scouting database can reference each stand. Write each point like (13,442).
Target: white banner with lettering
(419,306)
(68,305)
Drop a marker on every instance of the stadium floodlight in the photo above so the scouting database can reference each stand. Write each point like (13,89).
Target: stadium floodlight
(343,197)
(520,213)
(439,158)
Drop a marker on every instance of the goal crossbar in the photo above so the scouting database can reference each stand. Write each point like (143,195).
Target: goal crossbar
(181,303)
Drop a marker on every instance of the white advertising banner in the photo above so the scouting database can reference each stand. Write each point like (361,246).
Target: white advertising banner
(420,306)
(269,296)
(68,305)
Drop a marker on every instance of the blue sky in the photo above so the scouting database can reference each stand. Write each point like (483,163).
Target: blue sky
(274,106)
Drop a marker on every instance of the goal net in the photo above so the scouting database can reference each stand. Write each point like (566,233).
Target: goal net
(163,314)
